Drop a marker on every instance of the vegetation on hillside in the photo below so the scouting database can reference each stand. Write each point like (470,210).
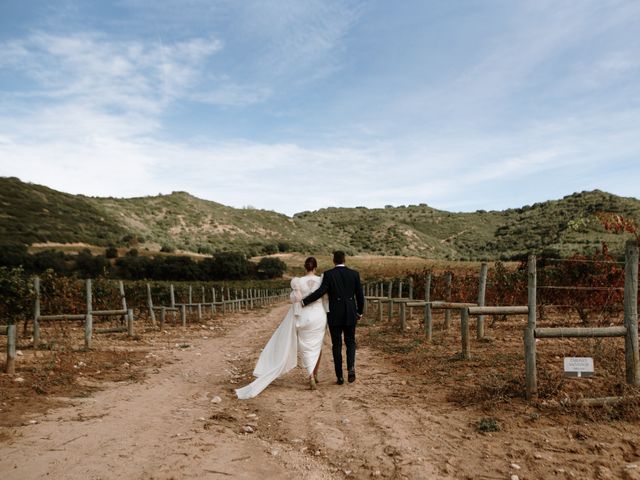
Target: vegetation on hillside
(180,223)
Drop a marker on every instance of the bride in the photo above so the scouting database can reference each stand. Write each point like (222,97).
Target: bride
(300,334)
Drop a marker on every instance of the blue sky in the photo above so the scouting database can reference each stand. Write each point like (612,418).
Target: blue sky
(293,105)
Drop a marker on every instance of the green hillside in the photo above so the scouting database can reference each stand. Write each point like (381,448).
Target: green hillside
(33,213)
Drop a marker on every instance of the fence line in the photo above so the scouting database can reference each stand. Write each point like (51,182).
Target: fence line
(629,330)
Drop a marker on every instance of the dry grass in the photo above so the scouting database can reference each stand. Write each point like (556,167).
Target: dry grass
(493,381)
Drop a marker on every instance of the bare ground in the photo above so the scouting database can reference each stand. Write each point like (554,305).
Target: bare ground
(164,407)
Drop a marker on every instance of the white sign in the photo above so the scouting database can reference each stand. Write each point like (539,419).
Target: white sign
(578,366)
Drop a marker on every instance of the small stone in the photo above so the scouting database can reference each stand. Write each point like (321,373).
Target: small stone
(251,415)
(316,453)
(376,473)
(202,419)
(604,473)
(274,452)
(347,472)
(248,429)
(345,420)
(631,466)
(18,379)
(515,466)
(19,353)
(514,477)
(216,399)
(32,422)
(537,456)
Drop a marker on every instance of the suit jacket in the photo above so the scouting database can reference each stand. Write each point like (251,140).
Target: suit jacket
(346,299)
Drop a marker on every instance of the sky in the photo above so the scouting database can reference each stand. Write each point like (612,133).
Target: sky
(294,105)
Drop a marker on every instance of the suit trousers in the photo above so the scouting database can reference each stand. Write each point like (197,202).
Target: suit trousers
(349,332)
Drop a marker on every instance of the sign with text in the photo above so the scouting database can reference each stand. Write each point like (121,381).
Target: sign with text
(578,367)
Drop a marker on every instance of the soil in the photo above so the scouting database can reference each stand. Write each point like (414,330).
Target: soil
(162,406)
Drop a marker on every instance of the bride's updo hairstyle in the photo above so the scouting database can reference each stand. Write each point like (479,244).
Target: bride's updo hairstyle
(310,263)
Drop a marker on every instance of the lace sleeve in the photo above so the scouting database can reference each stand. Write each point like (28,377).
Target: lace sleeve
(296,296)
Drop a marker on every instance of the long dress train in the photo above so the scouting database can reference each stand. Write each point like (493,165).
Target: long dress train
(300,333)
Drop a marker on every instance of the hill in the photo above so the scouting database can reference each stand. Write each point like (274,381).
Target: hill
(33,214)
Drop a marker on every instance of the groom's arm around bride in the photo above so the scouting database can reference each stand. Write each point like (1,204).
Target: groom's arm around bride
(344,289)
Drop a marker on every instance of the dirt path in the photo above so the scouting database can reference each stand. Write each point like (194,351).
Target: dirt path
(184,421)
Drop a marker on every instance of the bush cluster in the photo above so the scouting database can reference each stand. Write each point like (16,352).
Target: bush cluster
(132,266)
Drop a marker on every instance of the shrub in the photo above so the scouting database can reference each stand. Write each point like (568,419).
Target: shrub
(13,255)
(89,266)
(270,249)
(284,246)
(111,252)
(271,267)
(227,265)
(16,294)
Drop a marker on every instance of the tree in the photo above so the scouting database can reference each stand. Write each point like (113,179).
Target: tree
(227,266)
(270,249)
(13,255)
(16,294)
(48,259)
(89,266)
(271,267)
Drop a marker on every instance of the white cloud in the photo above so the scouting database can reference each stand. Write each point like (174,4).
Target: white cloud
(101,72)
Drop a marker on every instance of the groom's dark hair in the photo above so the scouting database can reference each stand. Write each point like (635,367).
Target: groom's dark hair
(338,257)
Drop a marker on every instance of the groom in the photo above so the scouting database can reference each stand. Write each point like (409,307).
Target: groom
(346,304)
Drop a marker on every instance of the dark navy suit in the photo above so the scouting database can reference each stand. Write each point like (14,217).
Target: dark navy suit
(346,304)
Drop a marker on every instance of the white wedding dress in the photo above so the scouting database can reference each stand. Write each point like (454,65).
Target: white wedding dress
(299,335)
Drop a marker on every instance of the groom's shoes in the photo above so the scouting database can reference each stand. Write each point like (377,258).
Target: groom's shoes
(352,376)
(340,381)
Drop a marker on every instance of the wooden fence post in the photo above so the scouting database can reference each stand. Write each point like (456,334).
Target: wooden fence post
(482,288)
(428,320)
(213,301)
(531,375)
(410,296)
(88,322)
(122,296)
(36,313)
(10,366)
(631,312)
(447,312)
(130,322)
(124,299)
(390,303)
(163,317)
(464,327)
(172,298)
(183,315)
(224,306)
(367,293)
(403,316)
(152,314)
